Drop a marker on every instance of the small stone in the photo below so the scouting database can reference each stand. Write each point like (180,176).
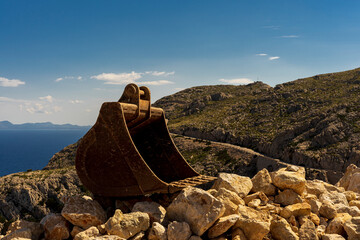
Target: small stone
(334,198)
(56,227)
(178,231)
(157,232)
(315,205)
(194,237)
(352,210)
(88,233)
(258,195)
(156,211)
(84,212)
(34,227)
(76,230)
(254,203)
(127,225)
(233,182)
(314,218)
(138,236)
(222,225)
(196,207)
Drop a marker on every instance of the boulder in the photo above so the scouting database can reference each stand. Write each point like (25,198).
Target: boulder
(258,195)
(352,210)
(327,210)
(332,237)
(156,211)
(307,231)
(222,225)
(178,231)
(288,197)
(298,209)
(334,198)
(76,230)
(194,237)
(83,211)
(157,232)
(255,224)
(233,182)
(281,230)
(262,183)
(336,225)
(352,228)
(196,207)
(34,227)
(351,178)
(290,178)
(127,225)
(55,226)
(230,200)
(238,234)
(88,233)
(24,233)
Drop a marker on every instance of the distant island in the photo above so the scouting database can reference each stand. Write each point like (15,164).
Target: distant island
(6,125)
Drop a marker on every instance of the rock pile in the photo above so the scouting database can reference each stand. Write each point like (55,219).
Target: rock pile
(280,205)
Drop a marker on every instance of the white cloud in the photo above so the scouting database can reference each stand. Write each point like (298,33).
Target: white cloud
(79,78)
(76,101)
(118,78)
(48,98)
(6,99)
(156,83)
(4,82)
(157,73)
(59,79)
(289,36)
(261,54)
(133,77)
(273,58)
(236,81)
(57,109)
(36,108)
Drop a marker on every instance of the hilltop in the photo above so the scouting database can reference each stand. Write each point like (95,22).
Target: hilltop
(312,122)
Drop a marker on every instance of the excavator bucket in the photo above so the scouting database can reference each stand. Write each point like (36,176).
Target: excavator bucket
(129,151)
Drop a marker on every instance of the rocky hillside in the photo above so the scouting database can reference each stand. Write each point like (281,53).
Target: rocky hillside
(312,122)
(280,205)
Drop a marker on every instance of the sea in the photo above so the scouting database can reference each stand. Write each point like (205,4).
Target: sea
(22,150)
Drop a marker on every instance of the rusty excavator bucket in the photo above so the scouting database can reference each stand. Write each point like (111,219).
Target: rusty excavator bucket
(129,151)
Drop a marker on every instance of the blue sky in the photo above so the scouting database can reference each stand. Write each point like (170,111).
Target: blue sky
(59,60)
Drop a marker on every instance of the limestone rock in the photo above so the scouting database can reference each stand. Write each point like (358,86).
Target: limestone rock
(262,183)
(298,209)
(83,211)
(233,182)
(56,227)
(24,233)
(127,225)
(238,234)
(351,178)
(178,231)
(315,205)
(352,228)
(230,200)
(138,236)
(334,198)
(156,211)
(290,178)
(255,224)
(76,230)
(336,225)
(34,227)
(327,210)
(332,237)
(88,233)
(288,197)
(196,207)
(258,195)
(222,225)
(352,210)
(157,232)
(307,231)
(281,230)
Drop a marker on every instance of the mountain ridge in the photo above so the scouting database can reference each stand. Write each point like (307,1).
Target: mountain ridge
(7,125)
